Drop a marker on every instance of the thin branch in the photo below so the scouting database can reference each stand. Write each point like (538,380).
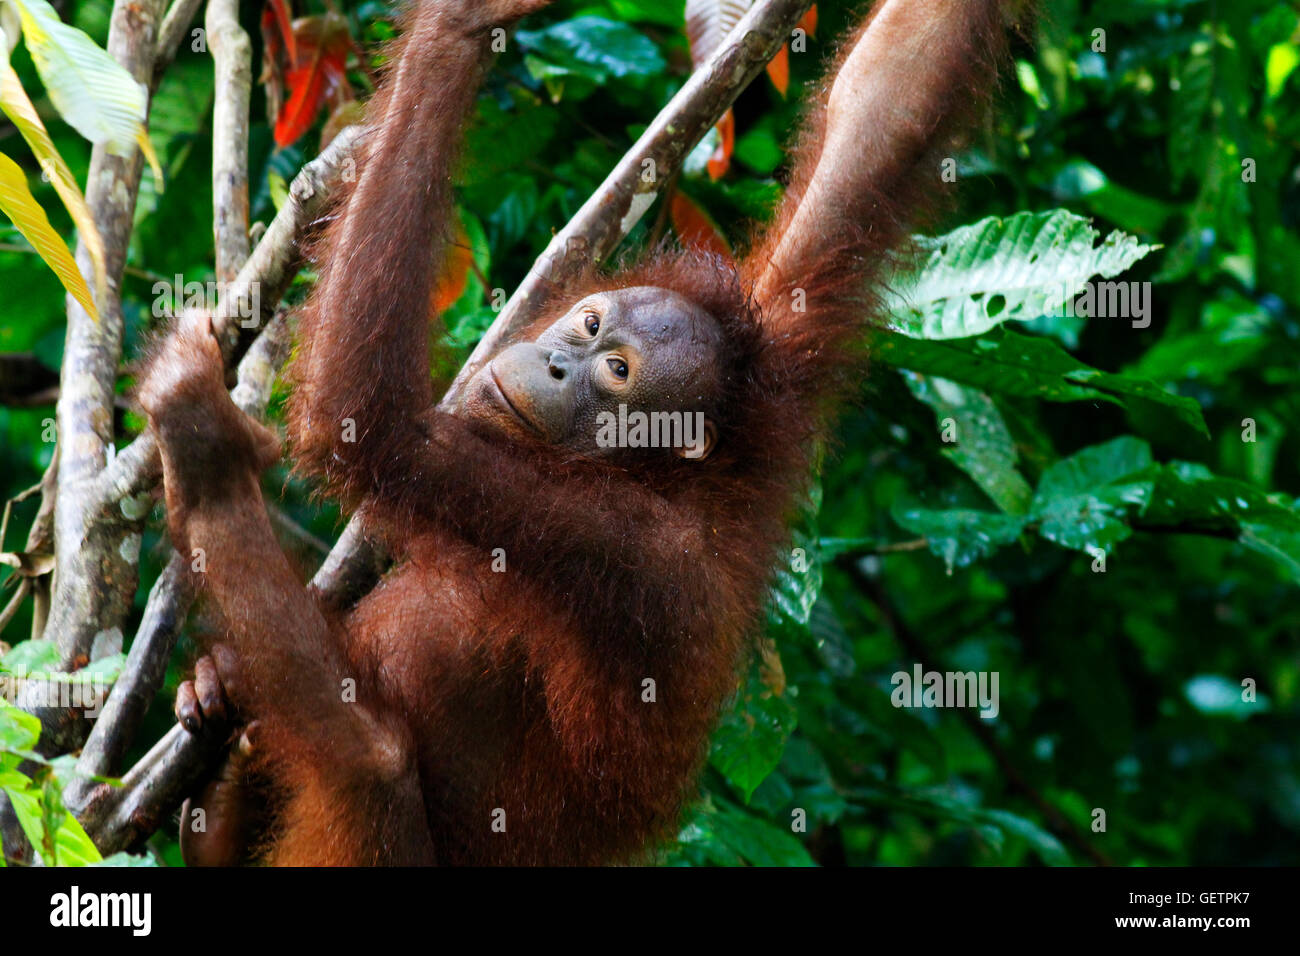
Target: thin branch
(233,55)
(175,27)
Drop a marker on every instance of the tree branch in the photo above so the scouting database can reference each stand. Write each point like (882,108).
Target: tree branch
(233,55)
(175,27)
(96,573)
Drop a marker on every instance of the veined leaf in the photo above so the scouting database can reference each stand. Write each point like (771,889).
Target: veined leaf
(1032,367)
(1020,267)
(18,107)
(18,203)
(98,98)
(959,535)
(981,445)
(1083,502)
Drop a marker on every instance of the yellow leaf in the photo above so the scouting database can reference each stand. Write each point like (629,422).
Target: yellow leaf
(16,105)
(18,203)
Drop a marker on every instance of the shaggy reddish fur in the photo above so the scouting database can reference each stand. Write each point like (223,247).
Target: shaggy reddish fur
(522,691)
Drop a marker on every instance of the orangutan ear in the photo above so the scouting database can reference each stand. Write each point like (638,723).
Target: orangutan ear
(703,445)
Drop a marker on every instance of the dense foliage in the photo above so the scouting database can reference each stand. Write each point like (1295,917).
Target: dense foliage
(1100,510)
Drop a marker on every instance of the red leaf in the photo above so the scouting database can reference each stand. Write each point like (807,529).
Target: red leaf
(318,75)
(277,28)
(695,227)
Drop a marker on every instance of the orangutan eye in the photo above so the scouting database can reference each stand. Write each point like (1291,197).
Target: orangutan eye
(592,321)
(618,367)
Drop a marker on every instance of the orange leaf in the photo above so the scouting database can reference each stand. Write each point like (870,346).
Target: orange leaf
(453,277)
(316,76)
(808,23)
(720,161)
(778,69)
(695,227)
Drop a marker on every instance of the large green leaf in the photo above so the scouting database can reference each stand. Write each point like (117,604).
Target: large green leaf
(1032,367)
(1020,267)
(1188,497)
(590,47)
(1083,501)
(749,740)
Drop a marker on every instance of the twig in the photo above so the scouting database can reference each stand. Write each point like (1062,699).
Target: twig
(175,27)
(233,55)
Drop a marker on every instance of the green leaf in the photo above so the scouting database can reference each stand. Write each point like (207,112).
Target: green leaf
(592,47)
(1020,267)
(1032,367)
(1188,497)
(1083,501)
(748,743)
(983,448)
(959,536)
(728,835)
(797,582)
(19,730)
(37,656)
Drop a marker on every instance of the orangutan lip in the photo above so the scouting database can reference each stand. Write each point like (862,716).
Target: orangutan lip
(501,392)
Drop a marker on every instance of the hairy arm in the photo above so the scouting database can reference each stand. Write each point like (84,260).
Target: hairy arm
(362,375)
(901,88)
